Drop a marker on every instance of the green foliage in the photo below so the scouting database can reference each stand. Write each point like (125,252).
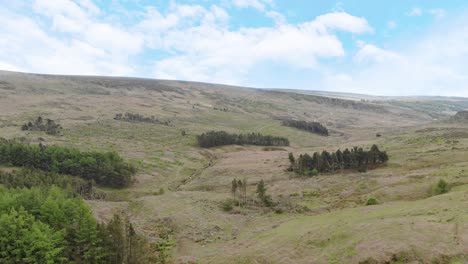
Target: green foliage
(354,159)
(221,138)
(228,205)
(49,225)
(372,201)
(23,239)
(63,224)
(262,195)
(49,126)
(441,187)
(164,248)
(312,127)
(105,168)
(28,178)
(291,158)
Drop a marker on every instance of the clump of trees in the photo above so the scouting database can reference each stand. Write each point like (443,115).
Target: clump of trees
(312,127)
(326,162)
(29,178)
(132,117)
(48,225)
(105,168)
(240,198)
(49,126)
(224,109)
(239,190)
(221,138)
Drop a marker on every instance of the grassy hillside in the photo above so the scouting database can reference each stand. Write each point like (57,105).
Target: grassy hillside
(323,219)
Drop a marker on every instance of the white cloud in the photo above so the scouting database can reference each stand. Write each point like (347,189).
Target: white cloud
(257,4)
(415,12)
(373,54)
(437,13)
(342,21)
(434,64)
(211,52)
(391,24)
(89,46)
(277,17)
(9,67)
(193,42)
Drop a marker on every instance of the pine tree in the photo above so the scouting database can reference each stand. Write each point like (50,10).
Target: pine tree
(261,190)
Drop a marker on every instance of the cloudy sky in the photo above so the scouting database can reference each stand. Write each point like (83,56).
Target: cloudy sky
(399,47)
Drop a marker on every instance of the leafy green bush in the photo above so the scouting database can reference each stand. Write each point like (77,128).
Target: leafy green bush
(441,187)
(372,201)
(228,205)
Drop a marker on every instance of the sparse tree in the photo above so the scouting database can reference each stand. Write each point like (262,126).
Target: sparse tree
(234,188)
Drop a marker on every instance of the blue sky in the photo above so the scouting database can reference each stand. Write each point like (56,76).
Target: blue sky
(411,47)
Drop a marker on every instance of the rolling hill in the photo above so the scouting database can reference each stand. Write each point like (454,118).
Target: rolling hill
(321,219)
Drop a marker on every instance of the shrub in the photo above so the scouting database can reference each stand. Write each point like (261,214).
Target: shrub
(228,205)
(49,126)
(441,187)
(372,201)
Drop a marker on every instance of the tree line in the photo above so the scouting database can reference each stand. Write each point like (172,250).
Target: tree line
(312,127)
(105,168)
(222,138)
(326,162)
(132,117)
(29,178)
(49,126)
(48,225)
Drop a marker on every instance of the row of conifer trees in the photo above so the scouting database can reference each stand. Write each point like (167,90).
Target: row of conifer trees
(312,127)
(221,138)
(356,159)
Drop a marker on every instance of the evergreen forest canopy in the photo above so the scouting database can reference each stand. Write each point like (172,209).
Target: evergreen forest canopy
(29,178)
(105,168)
(222,138)
(312,127)
(326,162)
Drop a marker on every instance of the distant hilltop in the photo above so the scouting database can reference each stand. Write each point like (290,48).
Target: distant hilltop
(461,115)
